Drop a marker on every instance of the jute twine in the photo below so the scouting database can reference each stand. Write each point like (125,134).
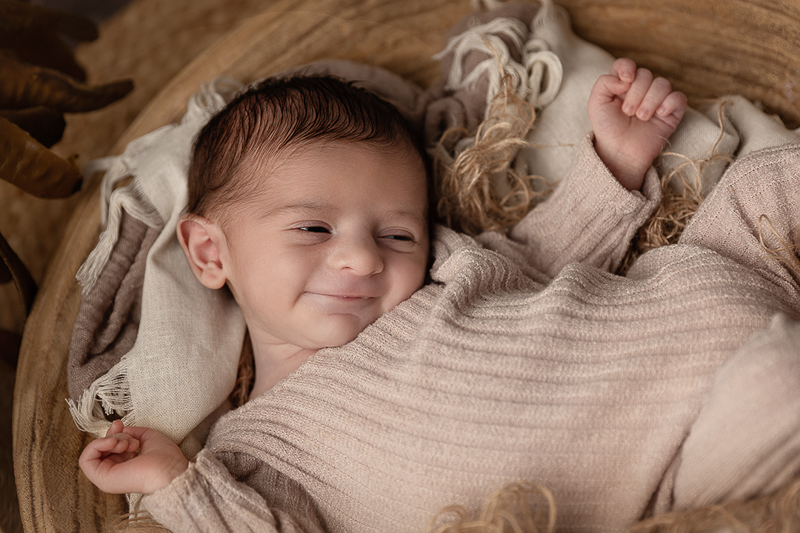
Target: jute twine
(468,200)
(509,510)
(505,511)
(678,204)
(786,253)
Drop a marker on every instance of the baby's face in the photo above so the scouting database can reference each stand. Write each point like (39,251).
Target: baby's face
(335,238)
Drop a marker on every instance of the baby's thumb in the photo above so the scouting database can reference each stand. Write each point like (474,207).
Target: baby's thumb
(607,87)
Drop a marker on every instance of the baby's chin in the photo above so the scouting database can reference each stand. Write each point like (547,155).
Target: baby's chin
(338,331)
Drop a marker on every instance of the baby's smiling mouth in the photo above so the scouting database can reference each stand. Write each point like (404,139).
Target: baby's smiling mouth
(342,303)
(343,297)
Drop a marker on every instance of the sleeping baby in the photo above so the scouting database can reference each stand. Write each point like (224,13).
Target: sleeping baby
(401,366)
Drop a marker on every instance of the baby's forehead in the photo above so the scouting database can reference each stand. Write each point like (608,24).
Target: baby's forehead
(270,180)
(394,151)
(263,165)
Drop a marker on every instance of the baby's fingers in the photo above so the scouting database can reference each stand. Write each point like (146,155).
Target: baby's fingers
(125,443)
(653,99)
(607,89)
(116,427)
(638,91)
(114,444)
(673,105)
(624,69)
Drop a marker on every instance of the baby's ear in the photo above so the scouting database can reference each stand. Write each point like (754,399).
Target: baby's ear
(201,240)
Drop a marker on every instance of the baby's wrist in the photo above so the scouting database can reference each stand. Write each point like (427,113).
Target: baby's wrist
(629,178)
(178,467)
(629,174)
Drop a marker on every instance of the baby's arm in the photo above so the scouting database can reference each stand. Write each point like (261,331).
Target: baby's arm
(632,115)
(204,497)
(625,145)
(132,459)
(209,497)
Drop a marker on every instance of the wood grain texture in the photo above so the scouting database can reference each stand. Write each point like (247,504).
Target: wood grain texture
(53,493)
(398,35)
(706,47)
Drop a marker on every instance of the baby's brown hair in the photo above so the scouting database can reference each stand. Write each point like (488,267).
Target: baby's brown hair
(279,115)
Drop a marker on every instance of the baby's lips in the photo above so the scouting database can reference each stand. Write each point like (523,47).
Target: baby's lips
(359,290)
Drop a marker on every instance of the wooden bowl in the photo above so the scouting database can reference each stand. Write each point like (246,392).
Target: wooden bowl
(706,47)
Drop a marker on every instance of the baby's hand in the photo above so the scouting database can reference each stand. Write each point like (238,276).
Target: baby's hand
(132,459)
(632,115)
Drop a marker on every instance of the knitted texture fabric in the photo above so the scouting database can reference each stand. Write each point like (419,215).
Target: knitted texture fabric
(527,359)
(142,348)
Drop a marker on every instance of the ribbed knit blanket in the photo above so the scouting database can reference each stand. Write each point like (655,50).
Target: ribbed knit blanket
(527,359)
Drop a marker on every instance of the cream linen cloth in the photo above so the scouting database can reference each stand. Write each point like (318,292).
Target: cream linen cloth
(187,334)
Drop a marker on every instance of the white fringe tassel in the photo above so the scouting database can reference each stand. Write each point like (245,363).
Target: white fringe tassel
(201,105)
(132,201)
(108,395)
(537,78)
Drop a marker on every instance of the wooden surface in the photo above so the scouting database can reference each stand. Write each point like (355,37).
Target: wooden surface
(707,48)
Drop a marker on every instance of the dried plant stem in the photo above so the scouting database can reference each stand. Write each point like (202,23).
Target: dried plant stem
(786,253)
(777,513)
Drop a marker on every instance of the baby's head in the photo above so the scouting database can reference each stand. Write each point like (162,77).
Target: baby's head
(308,198)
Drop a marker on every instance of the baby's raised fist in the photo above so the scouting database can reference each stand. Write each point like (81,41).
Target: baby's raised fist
(633,114)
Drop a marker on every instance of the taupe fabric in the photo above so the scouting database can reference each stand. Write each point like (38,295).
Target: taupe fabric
(527,359)
(108,320)
(754,394)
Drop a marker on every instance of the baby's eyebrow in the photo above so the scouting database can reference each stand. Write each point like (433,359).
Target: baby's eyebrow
(304,207)
(406,214)
(314,207)
(321,206)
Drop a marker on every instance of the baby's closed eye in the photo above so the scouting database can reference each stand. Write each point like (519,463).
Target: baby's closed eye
(315,229)
(396,237)
(399,240)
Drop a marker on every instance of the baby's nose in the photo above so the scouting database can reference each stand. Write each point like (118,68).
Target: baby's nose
(359,255)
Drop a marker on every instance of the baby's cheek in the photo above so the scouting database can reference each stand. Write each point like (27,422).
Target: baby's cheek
(409,281)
